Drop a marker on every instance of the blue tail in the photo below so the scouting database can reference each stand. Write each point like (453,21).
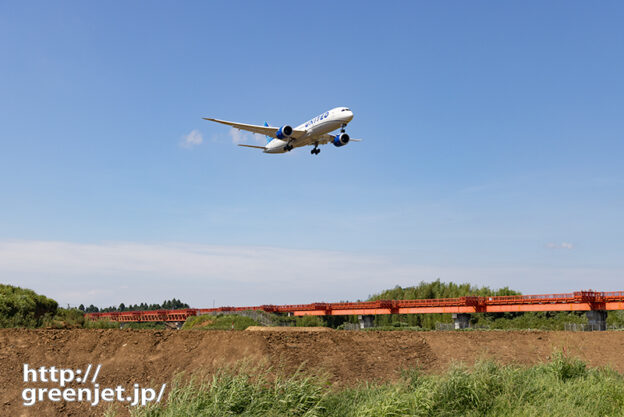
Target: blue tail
(269,138)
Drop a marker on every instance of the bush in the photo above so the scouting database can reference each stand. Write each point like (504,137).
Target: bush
(21,307)
(309,321)
(65,318)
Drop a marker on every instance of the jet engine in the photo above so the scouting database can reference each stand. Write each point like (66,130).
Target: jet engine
(284,132)
(341,140)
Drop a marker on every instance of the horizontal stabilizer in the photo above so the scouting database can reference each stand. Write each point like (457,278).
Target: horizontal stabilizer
(252,146)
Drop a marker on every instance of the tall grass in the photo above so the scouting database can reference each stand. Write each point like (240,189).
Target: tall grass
(561,387)
(218,322)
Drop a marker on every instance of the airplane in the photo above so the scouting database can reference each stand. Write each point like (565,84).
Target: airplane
(313,132)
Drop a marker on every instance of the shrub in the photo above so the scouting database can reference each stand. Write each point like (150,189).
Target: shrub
(65,318)
(21,307)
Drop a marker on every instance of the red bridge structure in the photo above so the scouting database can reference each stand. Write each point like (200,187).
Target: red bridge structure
(595,303)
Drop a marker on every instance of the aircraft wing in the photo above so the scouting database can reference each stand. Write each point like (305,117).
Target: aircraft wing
(252,146)
(262,130)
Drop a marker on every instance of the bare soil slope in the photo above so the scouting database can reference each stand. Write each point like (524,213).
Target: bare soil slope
(151,358)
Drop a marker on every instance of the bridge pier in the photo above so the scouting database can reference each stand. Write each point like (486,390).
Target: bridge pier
(366,321)
(596,320)
(462,320)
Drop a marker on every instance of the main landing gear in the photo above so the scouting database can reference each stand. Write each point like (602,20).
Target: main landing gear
(288,148)
(316,150)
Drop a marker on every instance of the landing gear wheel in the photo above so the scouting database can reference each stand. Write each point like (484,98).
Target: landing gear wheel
(315,151)
(342,128)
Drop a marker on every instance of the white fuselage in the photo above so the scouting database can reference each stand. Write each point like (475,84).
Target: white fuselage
(322,124)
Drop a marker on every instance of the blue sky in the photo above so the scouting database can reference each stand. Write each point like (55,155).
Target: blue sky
(492,153)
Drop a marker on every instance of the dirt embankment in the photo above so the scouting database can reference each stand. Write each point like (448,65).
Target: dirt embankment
(151,358)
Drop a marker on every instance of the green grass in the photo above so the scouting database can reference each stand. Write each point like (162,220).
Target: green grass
(155,325)
(101,324)
(561,387)
(218,322)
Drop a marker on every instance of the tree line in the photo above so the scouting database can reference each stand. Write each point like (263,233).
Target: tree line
(173,304)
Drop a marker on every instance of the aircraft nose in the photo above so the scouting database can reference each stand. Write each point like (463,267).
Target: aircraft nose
(349,115)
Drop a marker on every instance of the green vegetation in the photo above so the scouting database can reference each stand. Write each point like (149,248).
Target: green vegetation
(107,324)
(616,318)
(65,318)
(309,321)
(156,325)
(435,289)
(21,307)
(561,387)
(172,304)
(224,321)
(549,320)
(218,322)
(100,324)
(537,320)
(24,308)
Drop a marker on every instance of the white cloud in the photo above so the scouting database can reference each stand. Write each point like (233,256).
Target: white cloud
(109,273)
(194,138)
(562,245)
(240,136)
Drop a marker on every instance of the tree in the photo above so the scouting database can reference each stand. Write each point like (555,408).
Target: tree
(20,307)
(435,289)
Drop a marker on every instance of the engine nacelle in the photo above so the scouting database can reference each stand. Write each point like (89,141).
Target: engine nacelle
(341,140)
(284,132)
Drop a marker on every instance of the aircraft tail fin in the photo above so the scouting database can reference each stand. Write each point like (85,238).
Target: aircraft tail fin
(268,138)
